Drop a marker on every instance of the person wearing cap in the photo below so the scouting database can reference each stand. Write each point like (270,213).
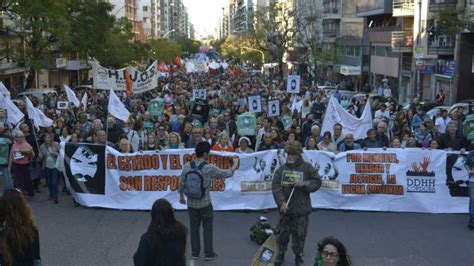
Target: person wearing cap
(302,178)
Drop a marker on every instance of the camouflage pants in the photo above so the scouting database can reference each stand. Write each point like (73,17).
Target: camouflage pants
(297,228)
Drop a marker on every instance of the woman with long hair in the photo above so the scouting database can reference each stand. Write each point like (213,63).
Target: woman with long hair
(331,252)
(20,232)
(223,143)
(164,243)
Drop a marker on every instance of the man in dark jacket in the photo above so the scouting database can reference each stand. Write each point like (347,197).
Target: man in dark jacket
(302,178)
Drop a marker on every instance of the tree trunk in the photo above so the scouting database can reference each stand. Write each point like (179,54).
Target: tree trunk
(30,79)
(280,66)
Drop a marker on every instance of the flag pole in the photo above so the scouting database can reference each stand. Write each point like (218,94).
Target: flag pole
(34,135)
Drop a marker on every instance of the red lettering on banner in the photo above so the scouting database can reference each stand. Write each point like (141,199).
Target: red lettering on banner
(164,161)
(111,161)
(174,162)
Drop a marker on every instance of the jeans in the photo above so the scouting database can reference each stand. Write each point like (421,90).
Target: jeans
(52,176)
(7,182)
(196,216)
(471,202)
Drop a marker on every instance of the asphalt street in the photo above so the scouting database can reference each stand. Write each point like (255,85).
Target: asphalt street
(90,236)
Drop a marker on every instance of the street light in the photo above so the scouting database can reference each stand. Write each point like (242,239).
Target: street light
(168,33)
(256,50)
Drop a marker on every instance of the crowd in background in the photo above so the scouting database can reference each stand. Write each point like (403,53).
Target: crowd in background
(182,125)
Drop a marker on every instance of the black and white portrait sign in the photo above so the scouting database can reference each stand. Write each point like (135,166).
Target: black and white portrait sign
(199,94)
(274,108)
(293,85)
(255,104)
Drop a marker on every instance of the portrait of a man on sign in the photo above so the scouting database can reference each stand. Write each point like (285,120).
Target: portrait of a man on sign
(274,108)
(255,104)
(293,85)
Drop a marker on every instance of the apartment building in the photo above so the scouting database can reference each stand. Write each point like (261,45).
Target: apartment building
(342,35)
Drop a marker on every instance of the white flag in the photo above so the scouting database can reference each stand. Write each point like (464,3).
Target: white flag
(84,102)
(117,108)
(14,115)
(71,96)
(4,90)
(358,127)
(38,117)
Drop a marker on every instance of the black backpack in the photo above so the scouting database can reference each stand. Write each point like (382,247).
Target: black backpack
(194,184)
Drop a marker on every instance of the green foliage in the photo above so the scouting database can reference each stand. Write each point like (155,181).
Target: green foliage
(274,30)
(164,50)
(188,46)
(42,24)
(453,20)
(241,48)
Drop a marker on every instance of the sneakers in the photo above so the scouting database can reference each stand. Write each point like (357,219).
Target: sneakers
(299,261)
(211,257)
(194,257)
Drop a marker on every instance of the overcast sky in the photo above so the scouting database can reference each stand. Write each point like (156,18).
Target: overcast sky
(204,15)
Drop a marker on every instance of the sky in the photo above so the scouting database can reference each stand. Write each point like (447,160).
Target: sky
(204,15)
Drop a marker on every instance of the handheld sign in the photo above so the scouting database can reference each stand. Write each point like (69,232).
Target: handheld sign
(156,107)
(246,124)
(62,105)
(293,85)
(255,104)
(274,108)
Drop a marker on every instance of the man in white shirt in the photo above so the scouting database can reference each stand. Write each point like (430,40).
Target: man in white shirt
(442,122)
(382,112)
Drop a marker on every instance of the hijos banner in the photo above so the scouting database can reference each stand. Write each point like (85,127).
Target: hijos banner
(142,81)
(401,180)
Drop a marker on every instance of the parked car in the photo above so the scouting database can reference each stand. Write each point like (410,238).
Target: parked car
(456,106)
(374,99)
(433,111)
(428,105)
(37,93)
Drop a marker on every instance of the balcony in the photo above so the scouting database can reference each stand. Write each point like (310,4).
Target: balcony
(330,33)
(403,8)
(441,45)
(438,5)
(402,41)
(374,7)
(331,13)
(381,34)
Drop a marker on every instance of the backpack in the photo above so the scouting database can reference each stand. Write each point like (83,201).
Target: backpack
(194,185)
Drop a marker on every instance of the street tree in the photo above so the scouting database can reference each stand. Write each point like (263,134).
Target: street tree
(164,50)
(309,37)
(274,30)
(43,26)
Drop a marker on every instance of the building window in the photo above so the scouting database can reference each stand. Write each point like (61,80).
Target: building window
(145,8)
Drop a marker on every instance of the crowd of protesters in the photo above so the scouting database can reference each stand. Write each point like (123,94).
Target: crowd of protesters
(180,126)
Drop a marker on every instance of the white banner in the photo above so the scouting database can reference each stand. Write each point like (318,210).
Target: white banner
(358,127)
(402,180)
(106,79)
